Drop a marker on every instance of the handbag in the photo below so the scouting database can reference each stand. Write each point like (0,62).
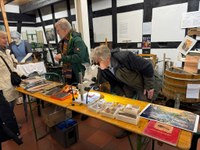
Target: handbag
(15,78)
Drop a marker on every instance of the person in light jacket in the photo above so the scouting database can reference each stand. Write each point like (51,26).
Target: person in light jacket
(8,89)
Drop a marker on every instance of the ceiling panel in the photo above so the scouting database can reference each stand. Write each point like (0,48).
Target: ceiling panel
(17,2)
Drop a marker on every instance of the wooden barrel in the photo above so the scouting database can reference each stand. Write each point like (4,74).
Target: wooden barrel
(175,84)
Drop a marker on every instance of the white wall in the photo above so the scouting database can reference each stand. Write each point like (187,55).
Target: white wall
(166,23)
(102,28)
(46,13)
(128,2)
(129,26)
(60,10)
(73,12)
(101,4)
(12,8)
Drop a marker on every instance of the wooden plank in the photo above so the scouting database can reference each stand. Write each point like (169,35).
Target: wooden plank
(194,31)
(191,64)
(33,5)
(5,20)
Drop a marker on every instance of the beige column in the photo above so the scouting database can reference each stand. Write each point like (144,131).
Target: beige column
(81,8)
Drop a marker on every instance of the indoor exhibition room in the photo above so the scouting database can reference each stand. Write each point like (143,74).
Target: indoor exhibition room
(99,74)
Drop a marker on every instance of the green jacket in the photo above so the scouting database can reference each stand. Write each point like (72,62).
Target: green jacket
(77,55)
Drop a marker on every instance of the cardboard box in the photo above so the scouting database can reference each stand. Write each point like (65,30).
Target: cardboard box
(53,115)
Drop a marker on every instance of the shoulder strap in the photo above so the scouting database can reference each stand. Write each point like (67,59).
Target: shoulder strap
(26,48)
(6,64)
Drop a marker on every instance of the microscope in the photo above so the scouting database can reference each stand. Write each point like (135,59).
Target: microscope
(85,87)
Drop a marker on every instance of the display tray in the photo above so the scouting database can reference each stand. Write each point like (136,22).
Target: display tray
(132,109)
(127,117)
(111,111)
(98,106)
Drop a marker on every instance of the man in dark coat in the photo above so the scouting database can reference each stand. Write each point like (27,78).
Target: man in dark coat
(128,75)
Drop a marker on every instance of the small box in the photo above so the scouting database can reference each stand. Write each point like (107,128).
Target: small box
(97,106)
(65,135)
(111,111)
(127,117)
(132,109)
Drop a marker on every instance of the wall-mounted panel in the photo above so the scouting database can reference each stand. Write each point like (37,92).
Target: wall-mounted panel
(128,2)
(60,10)
(146,29)
(13,28)
(50,35)
(41,29)
(101,4)
(12,8)
(129,26)
(102,28)
(31,32)
(72,6)
(166,23)
(46,13)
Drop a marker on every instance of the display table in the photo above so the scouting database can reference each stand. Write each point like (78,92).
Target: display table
(185,137)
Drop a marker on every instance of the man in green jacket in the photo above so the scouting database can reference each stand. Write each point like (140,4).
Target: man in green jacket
(73,51)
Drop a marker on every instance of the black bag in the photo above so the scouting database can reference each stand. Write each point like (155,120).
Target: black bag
(15,78)
(8,124)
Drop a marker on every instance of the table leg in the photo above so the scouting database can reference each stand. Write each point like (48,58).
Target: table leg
(153,141)
(32,117)
(25,106)
(131,144)
(38,106)
(33,120)
(139,142)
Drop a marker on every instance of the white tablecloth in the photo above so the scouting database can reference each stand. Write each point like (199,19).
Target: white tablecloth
(29,68)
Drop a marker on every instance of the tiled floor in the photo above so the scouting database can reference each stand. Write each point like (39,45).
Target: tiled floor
(93,135)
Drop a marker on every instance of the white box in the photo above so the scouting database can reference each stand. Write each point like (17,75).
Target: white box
(97,106)
(111,111)
(132,109)
(127,117)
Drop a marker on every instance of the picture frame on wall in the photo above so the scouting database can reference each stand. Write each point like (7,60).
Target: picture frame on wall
(186,45)
(146,42)
(50,34)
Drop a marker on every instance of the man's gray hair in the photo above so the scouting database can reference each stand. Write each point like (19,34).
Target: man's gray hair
(101,52)
(63,24)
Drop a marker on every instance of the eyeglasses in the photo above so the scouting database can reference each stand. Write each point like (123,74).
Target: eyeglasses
(96,63)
